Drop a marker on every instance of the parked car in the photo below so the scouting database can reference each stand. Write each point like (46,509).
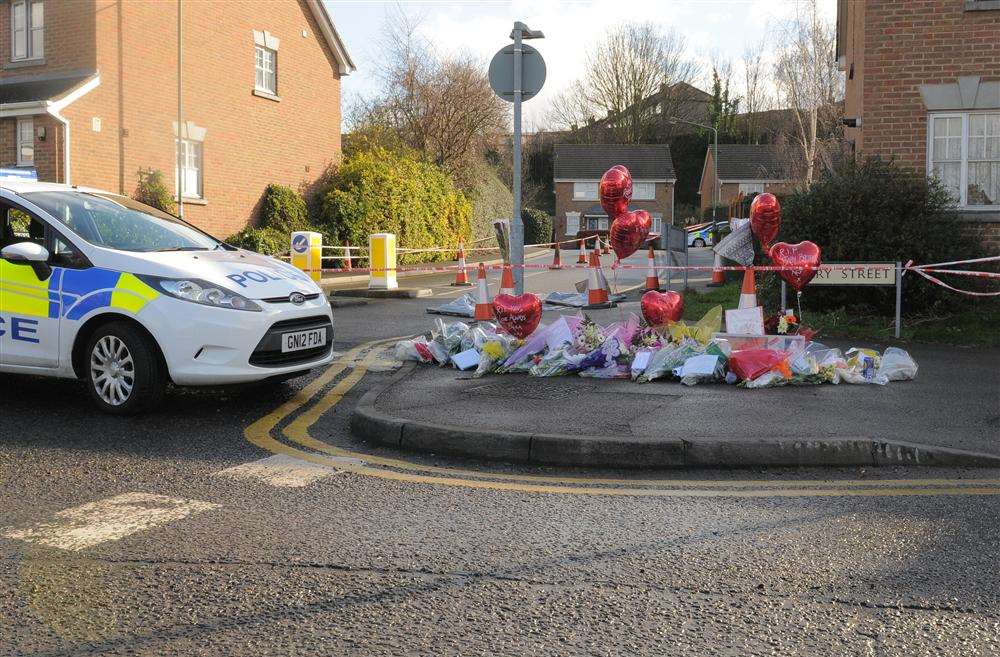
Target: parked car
(97,286)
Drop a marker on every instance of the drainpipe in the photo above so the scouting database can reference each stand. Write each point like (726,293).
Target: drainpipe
(54,113)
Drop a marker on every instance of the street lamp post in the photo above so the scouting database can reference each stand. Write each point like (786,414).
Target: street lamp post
(716,187)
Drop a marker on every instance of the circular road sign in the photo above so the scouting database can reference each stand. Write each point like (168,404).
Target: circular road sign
(502,72)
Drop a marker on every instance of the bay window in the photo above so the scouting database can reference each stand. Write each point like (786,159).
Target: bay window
(963,152)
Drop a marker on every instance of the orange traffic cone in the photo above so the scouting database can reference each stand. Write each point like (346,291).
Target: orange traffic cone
(597,295)
(461,277)
(347,255)
(718,276)
(652,280)
(748,295)
(556,259)
(582,259)
(507,281)
(484,310)
(607,246)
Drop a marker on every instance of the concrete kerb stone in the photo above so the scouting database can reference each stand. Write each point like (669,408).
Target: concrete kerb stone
(370,424)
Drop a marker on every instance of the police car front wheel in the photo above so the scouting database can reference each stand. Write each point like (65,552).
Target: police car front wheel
(124,372)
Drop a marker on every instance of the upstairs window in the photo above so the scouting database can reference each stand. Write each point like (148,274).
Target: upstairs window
(751,188)
(964,154)
(266,70)
(27,23)
(643,191)
(585,191)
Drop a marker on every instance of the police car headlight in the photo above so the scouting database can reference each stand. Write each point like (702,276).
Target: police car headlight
(203,292)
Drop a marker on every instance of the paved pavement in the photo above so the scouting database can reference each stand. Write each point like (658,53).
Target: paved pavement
(948,414)
(248,521)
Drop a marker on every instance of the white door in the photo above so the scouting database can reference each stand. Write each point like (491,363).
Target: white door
(29,314)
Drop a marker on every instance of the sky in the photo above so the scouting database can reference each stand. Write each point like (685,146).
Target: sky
(713,28)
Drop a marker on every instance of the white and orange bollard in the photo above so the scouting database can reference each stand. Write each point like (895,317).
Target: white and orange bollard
(582,258)
(461,276)
(484,309)
(652,279)
(347,263)
(748,295)
(507,281)
(556,259)
(597,293)
(718,276)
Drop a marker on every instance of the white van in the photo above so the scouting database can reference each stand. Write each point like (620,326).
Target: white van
(97,286)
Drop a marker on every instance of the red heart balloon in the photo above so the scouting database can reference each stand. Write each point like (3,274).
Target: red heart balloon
(518,315)
(628,231)
(661,307)
(615,190)
(803,258)
(765,218)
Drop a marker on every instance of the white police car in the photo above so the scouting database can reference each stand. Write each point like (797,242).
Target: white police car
(100,287)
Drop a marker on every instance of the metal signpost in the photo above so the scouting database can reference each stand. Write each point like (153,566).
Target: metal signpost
(517,73)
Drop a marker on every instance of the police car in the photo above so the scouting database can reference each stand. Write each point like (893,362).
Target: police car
(100,287)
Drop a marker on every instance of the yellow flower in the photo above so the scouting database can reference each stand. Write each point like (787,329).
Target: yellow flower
(493,350)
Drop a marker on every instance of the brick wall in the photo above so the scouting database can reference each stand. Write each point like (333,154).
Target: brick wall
(663,203)
(906,44)
(249,142)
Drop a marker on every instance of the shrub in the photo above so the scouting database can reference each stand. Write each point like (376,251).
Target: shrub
(491,200)
(537,226)
(284,210)
(154,191)
(378,191)
(260,240)
(873,210)
(721,212)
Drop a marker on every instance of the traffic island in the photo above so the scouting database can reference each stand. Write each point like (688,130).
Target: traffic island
(574,421)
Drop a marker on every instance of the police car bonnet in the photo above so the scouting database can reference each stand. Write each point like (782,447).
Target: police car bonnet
(252,275)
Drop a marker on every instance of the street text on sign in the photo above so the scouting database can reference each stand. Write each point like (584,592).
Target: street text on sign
(856,273)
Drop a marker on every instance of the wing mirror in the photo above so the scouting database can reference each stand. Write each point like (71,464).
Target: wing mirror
(29,253)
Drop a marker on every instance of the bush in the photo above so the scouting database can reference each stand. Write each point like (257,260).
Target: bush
(378,191)
(491,200)
(284,210)
(721,212)
(260,240)
(537,226)
(153,191)
(873,210)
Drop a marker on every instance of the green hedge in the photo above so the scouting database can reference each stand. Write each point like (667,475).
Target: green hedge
(152,190)
(874,210)
(283,211)
(537,226)
(377,191)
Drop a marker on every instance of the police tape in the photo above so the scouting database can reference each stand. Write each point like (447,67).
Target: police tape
(936,268)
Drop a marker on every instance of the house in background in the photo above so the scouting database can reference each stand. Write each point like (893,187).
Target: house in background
(88,95)
(923,88)
(746,168)
(577,170)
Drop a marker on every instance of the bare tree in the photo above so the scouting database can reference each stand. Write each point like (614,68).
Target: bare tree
(809,82)
(624,70)
(441,107)
(755,89)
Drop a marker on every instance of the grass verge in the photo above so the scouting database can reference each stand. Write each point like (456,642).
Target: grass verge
(979,327)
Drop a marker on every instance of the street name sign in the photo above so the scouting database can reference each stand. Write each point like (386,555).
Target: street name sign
(855,273)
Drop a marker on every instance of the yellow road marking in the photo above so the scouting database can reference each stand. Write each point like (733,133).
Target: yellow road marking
(259,433)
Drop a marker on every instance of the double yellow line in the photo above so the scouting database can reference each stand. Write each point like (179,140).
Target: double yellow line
(260,433)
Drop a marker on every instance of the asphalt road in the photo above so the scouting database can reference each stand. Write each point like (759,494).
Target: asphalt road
(248,522)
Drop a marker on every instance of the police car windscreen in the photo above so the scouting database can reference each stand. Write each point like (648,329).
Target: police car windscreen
(118,222)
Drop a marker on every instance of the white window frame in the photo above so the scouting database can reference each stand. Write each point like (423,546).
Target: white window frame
(260,55)
(31,52)
(193,150)
(585,190)
(636,196)
(963,169)
(758,188)
(20,141)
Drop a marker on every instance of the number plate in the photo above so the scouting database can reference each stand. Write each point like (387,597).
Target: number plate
(300,340)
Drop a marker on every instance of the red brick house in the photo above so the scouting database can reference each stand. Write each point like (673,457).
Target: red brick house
(577,169)
(746,168)
(923,87)
(89,95)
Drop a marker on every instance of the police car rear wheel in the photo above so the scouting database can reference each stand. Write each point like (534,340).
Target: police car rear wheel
(124,371)
(699,242)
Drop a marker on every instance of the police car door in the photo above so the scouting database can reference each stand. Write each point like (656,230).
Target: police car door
(29,299)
